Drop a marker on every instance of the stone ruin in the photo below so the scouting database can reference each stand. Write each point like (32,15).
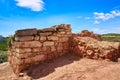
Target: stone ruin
(31,46)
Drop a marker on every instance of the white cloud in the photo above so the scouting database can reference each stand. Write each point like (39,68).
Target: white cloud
(106,16)
(96,22)
(87,18)
(99,31)
(104,31)
(34,5)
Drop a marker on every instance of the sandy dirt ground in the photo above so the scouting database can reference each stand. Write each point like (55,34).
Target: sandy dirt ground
(68,67)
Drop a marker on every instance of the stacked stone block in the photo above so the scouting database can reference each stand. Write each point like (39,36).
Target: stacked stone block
(36,45)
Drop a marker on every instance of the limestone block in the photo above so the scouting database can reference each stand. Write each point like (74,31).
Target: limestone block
(24,38)
(37,37)
(26,32)
(36,50)
(49,29)
(68,33)
(48,43)
(29,44)
(28,60)
(43,49)
(53,48)
(23,50)
(52,38)
(63,39)
(42,38)
(45,34)
(62,32)
(64,26)
(39,58)
(25,55)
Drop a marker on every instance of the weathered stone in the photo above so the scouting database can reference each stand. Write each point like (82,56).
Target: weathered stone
(48,43)
(52,38)
(45,34)
(18,61)
(59,49)
(66,45)
(26,32)
(50,56)
(49,29)
(86,33)
(25,55)
(64,26)
(69,33)
(42,38)
(36,50)
(62,32)
(39,58)
(24,38)
(37,37)
(30,44)
(53,48)
(23,50)
(64,39)
(43,49)
(28,60)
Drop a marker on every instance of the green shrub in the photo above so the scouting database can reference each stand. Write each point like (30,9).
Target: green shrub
(3,47)
(10,39)
(3,40)
(111,39)
(40,31)
(3,56)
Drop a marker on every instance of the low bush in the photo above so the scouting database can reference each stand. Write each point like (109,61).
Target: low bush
(3,47)
(111,39)
(3,56)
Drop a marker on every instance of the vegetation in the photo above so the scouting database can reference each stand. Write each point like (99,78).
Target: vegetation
(40,31)
(111,34)
(3,56)
(111,37)
(9,40)
(3,40)
(3,49)
(4,43)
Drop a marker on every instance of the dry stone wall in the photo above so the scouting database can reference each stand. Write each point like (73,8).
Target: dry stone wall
(31,46)
(95,49)
(36,45)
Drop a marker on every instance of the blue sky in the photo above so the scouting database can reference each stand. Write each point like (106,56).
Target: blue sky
(99,16)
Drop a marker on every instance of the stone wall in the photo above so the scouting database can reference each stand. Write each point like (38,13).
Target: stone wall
(95,49)
(36,45)
(31,46)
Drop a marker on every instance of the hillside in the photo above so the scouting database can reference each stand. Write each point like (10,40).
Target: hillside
(1,36)
(112,37)
(111,34)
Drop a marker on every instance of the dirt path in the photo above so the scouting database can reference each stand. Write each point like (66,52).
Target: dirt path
(68,67)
